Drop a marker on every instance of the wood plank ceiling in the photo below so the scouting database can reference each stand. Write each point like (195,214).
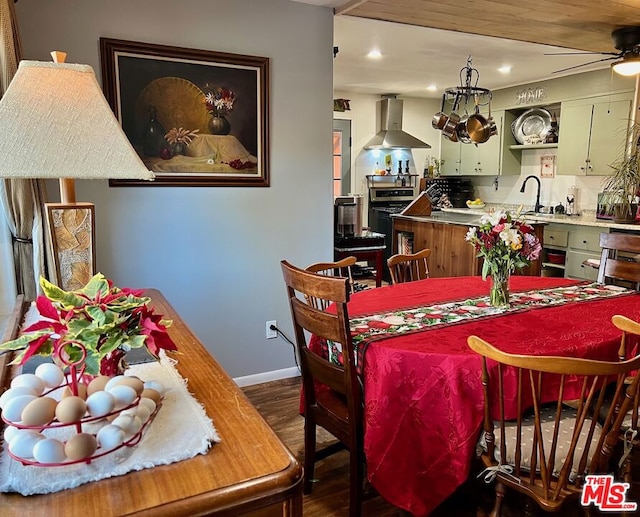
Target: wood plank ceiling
(574,24)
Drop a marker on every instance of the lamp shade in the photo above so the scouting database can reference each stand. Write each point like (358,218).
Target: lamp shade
(629,65)
(56,123)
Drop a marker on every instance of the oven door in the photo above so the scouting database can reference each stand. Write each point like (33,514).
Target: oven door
(380,221)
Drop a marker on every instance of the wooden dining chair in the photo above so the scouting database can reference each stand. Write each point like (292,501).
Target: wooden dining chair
(618,261)
(337,405)
(532,442)
(340,268)
(629,347)
(409,267)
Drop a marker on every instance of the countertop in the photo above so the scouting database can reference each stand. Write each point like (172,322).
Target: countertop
(585,218)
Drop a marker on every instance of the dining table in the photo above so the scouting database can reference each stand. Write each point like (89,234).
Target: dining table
(422,388)
(249,471)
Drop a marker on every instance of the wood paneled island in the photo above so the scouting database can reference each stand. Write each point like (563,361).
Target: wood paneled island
(444,234)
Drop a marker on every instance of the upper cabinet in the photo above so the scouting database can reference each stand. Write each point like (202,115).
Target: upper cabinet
(592,134)
(475,160)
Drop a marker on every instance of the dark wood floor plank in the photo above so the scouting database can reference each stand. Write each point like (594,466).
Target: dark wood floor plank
(279,404)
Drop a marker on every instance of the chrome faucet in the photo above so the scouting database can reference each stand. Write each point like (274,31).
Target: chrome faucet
(538,206)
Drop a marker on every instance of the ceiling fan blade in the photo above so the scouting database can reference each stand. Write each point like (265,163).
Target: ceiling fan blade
(584,64)
(583,53)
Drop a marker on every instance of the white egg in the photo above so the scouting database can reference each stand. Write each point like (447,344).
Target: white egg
(14,392)
(137,425)
(112,382)
(10,432)
(49,450)
(101,403)
(155,385)
(22,444)
(124,395)
(148,403)
(143,413)
(12,410)
(126,423)
(51,374)
(132,411)
(110,436)
(31,380)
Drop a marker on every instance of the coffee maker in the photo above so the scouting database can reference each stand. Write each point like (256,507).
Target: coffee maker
(347,216)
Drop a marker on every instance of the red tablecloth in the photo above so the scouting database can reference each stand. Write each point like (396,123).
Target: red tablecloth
(423,397)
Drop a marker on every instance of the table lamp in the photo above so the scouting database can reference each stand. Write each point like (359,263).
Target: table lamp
(56,123)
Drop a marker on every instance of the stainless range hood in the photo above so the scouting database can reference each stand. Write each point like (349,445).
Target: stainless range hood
(389,128)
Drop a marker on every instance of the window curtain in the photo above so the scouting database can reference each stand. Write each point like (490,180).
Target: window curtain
(21,201)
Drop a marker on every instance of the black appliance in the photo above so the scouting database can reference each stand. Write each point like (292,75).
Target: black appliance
(383,202)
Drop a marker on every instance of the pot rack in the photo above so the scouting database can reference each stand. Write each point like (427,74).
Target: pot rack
(468,93)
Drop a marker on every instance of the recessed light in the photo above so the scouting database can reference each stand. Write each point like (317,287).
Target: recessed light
(374,54)
(504,69)
(432,87)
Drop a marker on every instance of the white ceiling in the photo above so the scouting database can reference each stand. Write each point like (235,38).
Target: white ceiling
(415,57)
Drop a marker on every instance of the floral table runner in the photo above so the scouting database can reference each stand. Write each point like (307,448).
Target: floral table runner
(366,329)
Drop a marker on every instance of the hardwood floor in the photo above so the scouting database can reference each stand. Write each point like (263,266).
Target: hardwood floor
(278,402)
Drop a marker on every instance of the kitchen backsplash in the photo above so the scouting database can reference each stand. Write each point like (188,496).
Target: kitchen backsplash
(553,190)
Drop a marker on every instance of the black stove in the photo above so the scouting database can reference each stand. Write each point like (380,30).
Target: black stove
(383,202)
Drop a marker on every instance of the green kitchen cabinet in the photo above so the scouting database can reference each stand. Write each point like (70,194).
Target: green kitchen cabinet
(450,157)
(592,134)
(474,160)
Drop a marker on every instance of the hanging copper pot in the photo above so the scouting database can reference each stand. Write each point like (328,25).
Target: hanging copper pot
(450,128)
(439,120)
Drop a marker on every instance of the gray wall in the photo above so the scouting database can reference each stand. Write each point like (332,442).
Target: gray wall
(215,252)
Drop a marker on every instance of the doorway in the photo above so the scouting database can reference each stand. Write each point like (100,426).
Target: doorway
(341,157)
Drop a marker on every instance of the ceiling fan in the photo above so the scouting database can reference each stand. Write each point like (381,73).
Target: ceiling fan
(627,41)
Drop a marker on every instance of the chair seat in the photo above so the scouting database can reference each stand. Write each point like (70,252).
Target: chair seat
(547,418)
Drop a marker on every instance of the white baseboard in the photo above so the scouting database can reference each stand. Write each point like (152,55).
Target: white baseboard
(259,378)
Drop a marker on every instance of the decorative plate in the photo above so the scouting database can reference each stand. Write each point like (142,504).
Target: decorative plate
(533,122)
(179,102)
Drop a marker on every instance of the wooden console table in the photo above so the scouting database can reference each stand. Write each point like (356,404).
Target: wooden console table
(249,473)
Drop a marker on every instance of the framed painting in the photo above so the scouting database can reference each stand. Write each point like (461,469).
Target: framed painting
(195,117)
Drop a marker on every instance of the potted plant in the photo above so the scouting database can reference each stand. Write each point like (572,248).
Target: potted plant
(622,185)
(95,325)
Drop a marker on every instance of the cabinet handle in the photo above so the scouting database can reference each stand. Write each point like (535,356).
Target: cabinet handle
(550,237)
(584,242)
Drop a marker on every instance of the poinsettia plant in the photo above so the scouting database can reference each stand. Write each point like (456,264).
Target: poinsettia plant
(95,326)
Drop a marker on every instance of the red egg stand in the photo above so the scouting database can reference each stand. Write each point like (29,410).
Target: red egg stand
(75,374)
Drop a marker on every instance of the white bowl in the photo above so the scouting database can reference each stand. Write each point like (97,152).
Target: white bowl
(471,205)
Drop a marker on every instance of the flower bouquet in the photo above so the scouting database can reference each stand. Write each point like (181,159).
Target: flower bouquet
(506,243)
(219,101)
(178,140)
(93,327)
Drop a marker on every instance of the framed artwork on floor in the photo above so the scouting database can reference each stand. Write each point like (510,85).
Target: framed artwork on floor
(195,117)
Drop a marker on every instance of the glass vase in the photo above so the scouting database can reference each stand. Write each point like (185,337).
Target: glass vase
(153,138)
(499,293)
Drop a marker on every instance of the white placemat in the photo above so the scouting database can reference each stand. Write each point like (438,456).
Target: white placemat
(181,430)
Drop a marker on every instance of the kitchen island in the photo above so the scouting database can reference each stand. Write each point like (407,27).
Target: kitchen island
(444,234)
(571,243)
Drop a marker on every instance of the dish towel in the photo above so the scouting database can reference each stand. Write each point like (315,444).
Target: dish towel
(165,440)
